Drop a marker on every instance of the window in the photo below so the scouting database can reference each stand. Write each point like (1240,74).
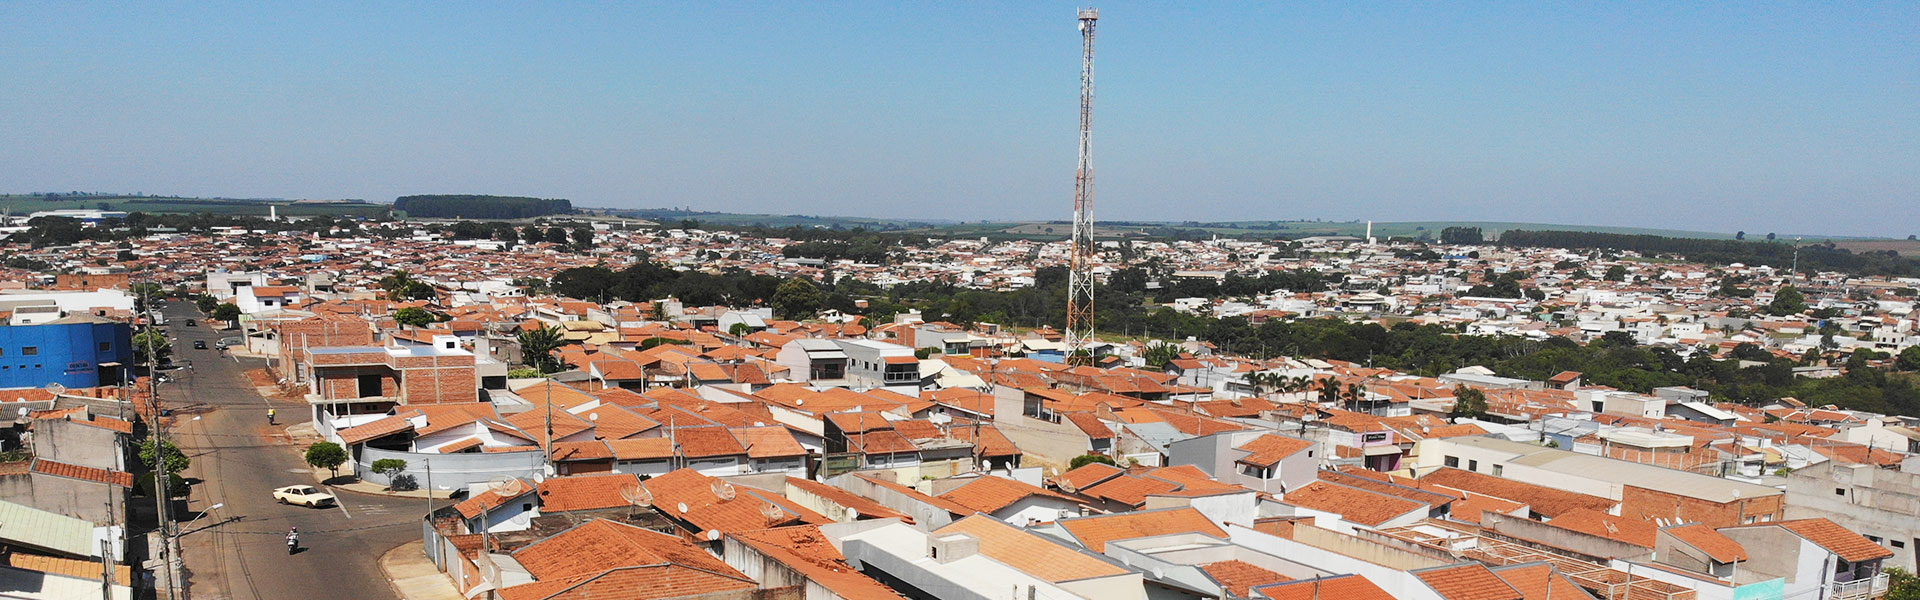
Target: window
(1839,491)
(106,346)
(1499,470)
(29,350)
(1473,465)
(1899,544)
(1453,461)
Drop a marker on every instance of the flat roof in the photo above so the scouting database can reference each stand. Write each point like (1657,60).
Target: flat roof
(1620,472)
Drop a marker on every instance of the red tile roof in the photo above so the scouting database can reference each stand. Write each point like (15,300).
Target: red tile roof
(1269,449)
(1353,504)
(804,549)
(1342,587)
(119,478)
(586,492)
(1545,500)
(1094,532)
(1240,577)
(1716,545)
(1029,552)
(989,493)
(1470,581)
(1850,546)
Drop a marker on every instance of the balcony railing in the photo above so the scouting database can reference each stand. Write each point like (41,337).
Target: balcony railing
(1860,589)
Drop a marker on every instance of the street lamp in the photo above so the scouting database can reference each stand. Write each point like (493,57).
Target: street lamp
(188,528)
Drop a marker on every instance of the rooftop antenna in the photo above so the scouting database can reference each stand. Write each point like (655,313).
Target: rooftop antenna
(1079,334)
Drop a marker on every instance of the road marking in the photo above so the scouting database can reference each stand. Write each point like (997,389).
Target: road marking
(337,501)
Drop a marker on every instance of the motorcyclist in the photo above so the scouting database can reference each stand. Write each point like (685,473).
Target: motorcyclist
(293,539)
(270,414)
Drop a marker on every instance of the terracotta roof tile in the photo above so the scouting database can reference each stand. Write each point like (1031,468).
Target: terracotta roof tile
(989,493)
(1353,504)
(492,499)
(586,492)
(1343,587)
(1030,552)
(1850,546)
(1718,546)
(1088,474)
(1269,449)
(1544,500)
(862,506)
(804,549)
(1094,532)
(600,544)
(119,478)
(641,448)
(1240,577)
(769,442)
(1620,529)
(1471,581)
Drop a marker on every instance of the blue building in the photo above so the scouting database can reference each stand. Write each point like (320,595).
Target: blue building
(78,351)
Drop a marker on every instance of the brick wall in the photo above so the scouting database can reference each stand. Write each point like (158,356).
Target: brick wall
(1651,504)
(444,385)
(343,383)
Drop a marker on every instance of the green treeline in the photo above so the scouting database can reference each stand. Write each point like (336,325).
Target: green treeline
(1813,257)
(473,206)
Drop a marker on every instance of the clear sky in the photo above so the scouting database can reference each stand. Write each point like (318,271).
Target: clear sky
(1756,116)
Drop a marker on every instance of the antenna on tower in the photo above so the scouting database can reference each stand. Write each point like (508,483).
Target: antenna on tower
(1079,334)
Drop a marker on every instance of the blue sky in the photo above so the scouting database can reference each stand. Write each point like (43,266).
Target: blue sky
(1756,116)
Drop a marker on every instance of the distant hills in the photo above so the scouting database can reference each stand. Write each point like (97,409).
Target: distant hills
(30,203)
(474,206)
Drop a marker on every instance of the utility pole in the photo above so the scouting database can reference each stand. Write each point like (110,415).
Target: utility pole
(1079,334)
(106,569)
(157,435)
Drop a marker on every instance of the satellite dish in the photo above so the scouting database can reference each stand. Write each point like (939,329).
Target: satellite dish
(683,507)
(521,518)
(773,514)
(56,389)
(593,417)
(637,494)
(1068,487)
(724,491)
(504,486)
(713,534)
(852,513)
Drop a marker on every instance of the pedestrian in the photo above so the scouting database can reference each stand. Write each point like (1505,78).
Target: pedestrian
(270,417)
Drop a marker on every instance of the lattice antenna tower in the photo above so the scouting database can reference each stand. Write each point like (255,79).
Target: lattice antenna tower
(1079,334)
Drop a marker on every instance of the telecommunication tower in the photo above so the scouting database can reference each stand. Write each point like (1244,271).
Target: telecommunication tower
(1079,334)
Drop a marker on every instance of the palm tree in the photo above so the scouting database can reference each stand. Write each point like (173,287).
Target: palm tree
(1330,391)
(1160,354)
(537,346)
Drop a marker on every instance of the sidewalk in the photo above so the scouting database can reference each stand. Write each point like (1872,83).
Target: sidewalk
(303,434)
(414,577)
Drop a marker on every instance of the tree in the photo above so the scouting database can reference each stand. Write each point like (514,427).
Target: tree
(1160,354)
(226,312)
(151,344)
(402,286)
(326,455)
(1770,237)
(537,346)
(389,468)
(1787,301)
(176,461)
(1087,459)
(583,238)
(797,298)
(583,282)
(1616,273)
(1461,236)
(1470,403)
(1740,235)
(1909,359)
(205,303)
(739,330)
(1902,585)
(413,316)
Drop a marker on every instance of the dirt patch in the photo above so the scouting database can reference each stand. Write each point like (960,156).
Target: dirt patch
(260,378)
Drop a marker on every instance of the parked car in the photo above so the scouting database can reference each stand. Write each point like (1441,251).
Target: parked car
(199,344)
(189,322)
(304,495)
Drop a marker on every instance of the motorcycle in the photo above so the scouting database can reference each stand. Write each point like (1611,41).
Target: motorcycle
(293,542)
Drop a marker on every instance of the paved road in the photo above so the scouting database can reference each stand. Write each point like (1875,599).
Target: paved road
(239,552)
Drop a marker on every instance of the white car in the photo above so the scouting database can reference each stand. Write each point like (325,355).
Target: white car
(304,495)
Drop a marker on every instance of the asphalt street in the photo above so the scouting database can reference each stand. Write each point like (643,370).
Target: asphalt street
(239,551)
